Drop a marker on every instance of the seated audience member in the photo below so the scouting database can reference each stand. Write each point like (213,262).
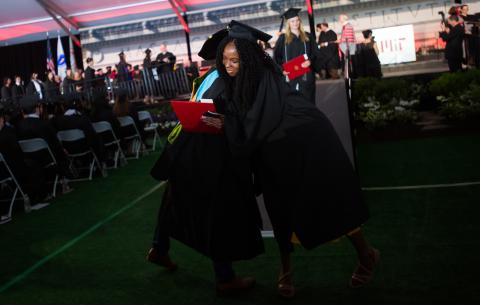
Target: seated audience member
(73,118)
(123,107)
(102,111)
(31,126)
(28,174)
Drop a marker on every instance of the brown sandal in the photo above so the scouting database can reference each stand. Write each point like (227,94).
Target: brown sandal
(285,285)
(363,275)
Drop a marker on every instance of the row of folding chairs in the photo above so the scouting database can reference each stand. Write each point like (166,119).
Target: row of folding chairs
(135,138)
(67,137)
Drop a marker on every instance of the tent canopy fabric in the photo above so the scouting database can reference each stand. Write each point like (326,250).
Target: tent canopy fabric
(26,20)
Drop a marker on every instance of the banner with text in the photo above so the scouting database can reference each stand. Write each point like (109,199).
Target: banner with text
(395,44)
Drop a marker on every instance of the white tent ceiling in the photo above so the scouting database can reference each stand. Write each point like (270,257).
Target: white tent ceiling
(26,20)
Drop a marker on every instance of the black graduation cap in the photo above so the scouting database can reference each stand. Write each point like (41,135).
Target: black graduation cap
(291,12)
(209,47)
(234,29)
(148,51)
(121,54)
(241,30)
(29,101)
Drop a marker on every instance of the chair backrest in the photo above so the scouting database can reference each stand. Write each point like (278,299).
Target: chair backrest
(144,116)
(126,121)
(34,145)
(102,126)
(70,135)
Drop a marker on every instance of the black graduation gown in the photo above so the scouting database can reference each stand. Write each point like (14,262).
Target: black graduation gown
(17,92)
(209,204)
(89,78)
(284,53)
(6,93)
(32,90)
(368,64)
(163,65)
(454,40)
(147,63)
(122,69)
(329,54)
(52,92)
(309,185)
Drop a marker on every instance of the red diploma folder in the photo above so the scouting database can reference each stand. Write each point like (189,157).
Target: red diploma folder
(190,115)
(294,66)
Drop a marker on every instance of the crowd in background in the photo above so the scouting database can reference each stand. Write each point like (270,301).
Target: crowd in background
(52,87)
(461,34)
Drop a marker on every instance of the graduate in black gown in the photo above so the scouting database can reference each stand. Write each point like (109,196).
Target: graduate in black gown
(296,42)
(310,188)
(165,60)
(209,203)
(368,64)
(122,68)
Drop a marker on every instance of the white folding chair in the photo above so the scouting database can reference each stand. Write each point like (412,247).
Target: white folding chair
(6,179)
(38,144)
(103,127)
(126,121)
(69,136)
(151,127)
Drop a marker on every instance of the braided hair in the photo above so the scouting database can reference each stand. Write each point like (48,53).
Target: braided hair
(254,62)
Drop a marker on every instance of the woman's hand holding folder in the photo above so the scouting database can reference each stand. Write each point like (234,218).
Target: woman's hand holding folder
(213,119)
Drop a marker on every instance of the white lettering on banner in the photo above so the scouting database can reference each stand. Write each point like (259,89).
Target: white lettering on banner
(395,44)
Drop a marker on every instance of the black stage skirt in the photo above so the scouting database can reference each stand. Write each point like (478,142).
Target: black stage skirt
(209,204)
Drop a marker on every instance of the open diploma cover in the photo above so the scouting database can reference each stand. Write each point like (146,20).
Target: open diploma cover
(294,66)
(190,115)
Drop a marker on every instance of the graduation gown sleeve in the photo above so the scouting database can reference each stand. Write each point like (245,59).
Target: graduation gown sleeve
(279,52)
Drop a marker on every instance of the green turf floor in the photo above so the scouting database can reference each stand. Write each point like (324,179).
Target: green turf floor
(428,239)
